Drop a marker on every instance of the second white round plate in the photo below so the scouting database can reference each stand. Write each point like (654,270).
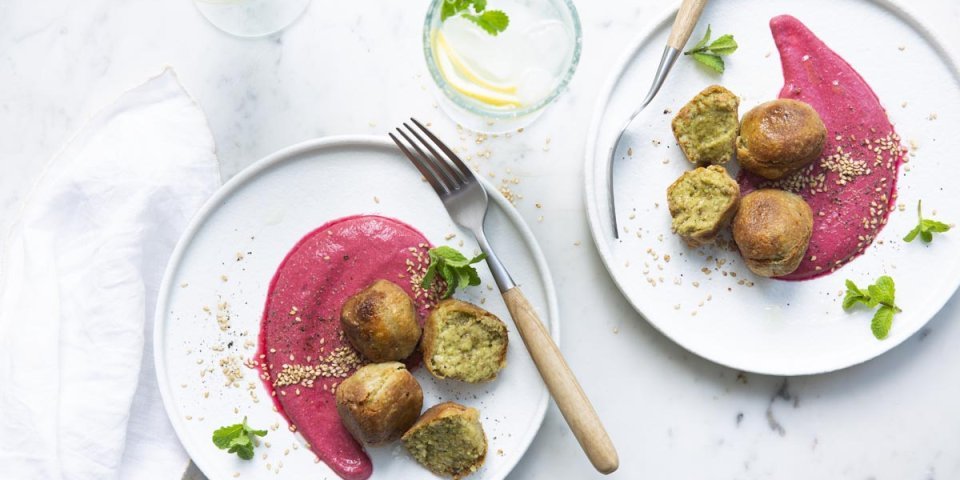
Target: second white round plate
(707,301)
(220,272)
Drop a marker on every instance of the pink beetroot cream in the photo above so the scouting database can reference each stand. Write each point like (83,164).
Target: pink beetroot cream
(302,354)
(852,187)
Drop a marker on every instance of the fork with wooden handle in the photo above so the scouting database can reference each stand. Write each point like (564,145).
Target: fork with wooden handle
(683,26)
(466,201)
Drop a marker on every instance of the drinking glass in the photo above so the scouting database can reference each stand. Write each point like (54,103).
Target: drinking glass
(251,18)
(499,83)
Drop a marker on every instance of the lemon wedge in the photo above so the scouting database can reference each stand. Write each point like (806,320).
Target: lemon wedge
(467,81)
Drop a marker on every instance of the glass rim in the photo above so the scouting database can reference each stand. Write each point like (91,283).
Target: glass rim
(459,100)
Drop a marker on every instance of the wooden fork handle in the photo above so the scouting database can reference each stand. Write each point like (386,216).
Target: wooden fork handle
(685,22)
(563,386)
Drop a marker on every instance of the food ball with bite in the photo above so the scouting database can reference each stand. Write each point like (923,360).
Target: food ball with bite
(706,127)
(772,228)
(381,322)
(780,137)
(701,202)
(379,402)
(448,440)
(464,342)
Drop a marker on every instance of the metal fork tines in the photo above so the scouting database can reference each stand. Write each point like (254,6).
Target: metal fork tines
(466,201)
(458,188)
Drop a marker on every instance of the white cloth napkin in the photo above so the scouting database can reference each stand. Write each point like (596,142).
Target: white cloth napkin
(78,286)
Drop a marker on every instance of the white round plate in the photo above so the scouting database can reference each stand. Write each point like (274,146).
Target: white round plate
(259,215)
(777,327)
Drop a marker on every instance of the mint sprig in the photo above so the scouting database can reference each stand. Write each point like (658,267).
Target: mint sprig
(453,267)
(880,294)
(925,227)
(239,439)
(491,21)
(712,55)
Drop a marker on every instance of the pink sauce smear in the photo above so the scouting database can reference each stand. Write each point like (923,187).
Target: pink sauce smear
(301,321)
(852,188)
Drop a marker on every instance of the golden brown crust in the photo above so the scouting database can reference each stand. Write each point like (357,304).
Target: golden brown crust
(379,402)
(381,322)
(442,410)
(428,340)
(780,137)
(431,330)
(451,409)
(772,230)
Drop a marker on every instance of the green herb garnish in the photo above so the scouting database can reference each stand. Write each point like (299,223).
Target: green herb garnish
(492,21)
(712,55)
(925,227)
(879,294)
(454,267)
(239,439)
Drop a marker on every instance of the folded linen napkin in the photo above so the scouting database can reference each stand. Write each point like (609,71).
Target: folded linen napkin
(78,286)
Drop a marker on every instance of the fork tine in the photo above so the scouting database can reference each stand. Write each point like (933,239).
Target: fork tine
(424,170)
(464,170)
(438,162)
(430,163)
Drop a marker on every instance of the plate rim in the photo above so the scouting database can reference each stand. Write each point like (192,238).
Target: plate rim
(288,153)
(599,229)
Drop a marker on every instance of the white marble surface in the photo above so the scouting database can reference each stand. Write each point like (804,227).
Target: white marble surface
(357,67)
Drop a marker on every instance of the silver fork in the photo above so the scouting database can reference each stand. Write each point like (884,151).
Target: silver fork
(466,201)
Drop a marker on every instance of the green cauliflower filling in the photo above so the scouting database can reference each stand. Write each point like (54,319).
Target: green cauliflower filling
(706,128)
(450,445)
(468,348)
(701,201)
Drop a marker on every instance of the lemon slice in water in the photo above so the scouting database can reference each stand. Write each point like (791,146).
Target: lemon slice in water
(467,81)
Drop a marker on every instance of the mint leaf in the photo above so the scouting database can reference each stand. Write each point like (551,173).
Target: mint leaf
(450,8)
(492,21)
(449,255)
(245,452)
(703,41)
(452,277)
(913,234)
(712,61)
(453,267)
(237,439)
(724,45)
(855,295)
(853,288)
(474,278)
(428,276)
(850,300)
(710,55)
(925,228)
(934,226)
(881,293)
(223,436)
(882,321)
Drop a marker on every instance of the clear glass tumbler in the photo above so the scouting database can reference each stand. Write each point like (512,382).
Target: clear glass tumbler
(499,83)
(251,18)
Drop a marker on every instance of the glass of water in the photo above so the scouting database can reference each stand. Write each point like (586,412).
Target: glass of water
(499,83)
(251,18)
